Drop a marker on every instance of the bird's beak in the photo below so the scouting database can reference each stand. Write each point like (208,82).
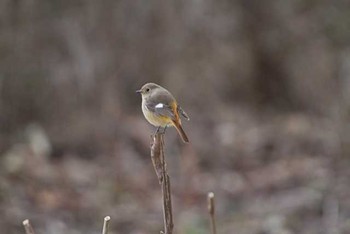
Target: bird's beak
(138,91)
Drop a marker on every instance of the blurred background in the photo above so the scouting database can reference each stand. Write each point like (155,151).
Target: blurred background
(266,84)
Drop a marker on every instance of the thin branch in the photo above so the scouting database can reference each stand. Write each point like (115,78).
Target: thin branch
(159,163)
(106,225)
(28,227)
(211,209)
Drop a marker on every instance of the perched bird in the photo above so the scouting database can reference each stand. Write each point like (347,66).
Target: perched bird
(161,109)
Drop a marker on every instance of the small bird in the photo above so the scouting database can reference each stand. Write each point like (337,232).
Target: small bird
(161,109)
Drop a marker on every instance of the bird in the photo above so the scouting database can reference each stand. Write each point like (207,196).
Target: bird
(161,109)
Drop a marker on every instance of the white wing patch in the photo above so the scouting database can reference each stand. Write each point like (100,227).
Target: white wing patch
(160,105)
(163,109)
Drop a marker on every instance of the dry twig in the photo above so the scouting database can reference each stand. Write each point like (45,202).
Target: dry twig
(106,225)
(28,227)
(211,209)
(159,163)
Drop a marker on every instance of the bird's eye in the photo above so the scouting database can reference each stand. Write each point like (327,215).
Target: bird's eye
(147,90)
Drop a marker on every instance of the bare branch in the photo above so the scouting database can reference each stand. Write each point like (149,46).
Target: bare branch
(211,209)
(28,227)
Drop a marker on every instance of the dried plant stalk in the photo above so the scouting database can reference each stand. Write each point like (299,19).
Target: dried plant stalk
(106,225)
(211,209)
(159,163)
(28,227)
(156,156)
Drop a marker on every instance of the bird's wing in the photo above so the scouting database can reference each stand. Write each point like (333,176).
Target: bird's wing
(161,104)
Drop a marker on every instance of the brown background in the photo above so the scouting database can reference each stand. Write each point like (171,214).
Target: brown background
(266,84)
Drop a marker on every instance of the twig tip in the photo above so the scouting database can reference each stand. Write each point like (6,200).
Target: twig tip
(25,222)
(211,203)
